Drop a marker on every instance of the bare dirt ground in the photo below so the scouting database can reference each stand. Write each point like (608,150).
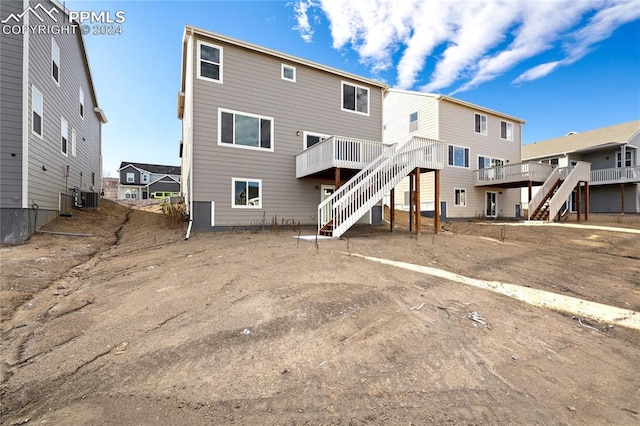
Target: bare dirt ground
(137,326)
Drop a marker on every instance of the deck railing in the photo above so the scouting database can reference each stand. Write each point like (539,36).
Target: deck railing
(615,175)
(338,151)
(578,173)
(507,173)
(348,204)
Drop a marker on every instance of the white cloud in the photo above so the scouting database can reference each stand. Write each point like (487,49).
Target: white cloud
(458,45)
(303,26)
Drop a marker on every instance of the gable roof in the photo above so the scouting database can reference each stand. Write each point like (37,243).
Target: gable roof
(189,30)
(439,97)
(591,140)
(152,168)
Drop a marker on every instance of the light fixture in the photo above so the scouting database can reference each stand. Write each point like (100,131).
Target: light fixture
(44,168)
(298,133)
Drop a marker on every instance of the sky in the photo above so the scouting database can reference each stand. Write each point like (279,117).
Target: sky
(559,65)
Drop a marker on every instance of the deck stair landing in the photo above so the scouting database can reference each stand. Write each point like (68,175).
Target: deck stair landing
(357,196)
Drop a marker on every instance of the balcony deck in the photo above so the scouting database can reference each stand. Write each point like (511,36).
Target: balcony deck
(338,151)
(615,175)
(513,175)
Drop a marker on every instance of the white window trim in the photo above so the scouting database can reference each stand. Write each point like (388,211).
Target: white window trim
(81,100)
(486,124)
(133,177)
(465,197)
(282,68)
(234,145)
(213,213)
(66,124)
(512,127)
(41,135)
(453,165)
(54,43)
(200,43)
(73,142)
(417,121)
(305,134)
(356,110)
(620,163)
(488,156)
(233,193)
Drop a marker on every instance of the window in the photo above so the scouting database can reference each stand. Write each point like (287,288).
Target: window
(311,139)
(481,124)
(458,156)
(209,62)
(131,178)
(64,135)
(36,111)
(486,162)
(355,98)
(55,61)
(81,99)
(506,130)
(627,159)
(145,177)
(413,122)
(247,193)
(131,193)
(73,142)
(460,197)
(245,130)
(288,72)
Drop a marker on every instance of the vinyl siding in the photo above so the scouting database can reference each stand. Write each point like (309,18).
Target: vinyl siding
(61,101)
(453,124)
(457,128)
(136,175)
(166,185)
(11,112)
(253,85)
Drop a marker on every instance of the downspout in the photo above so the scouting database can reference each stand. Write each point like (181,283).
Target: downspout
(190,197)
(188,92)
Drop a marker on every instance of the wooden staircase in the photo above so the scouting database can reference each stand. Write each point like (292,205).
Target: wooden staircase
(542,211)
(357,196)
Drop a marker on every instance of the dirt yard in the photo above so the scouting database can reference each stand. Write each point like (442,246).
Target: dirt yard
(136,326)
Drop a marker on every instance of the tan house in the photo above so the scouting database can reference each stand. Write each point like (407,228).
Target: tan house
(612,151)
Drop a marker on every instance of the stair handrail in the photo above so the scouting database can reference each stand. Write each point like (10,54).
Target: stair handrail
(322,221)
(539,196)
(581,172)
(352,205)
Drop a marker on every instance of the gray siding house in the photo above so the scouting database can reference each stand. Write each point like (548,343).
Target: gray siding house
(50,122)
(477,139)
(266,135)
(614,185)
(142,181)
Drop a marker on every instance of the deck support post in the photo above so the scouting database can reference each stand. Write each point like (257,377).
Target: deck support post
(530,192)
(392,209)
(336,178)
(586,201)
(578,207)
(410,202)
(417,200)
(436,206)
(622,198)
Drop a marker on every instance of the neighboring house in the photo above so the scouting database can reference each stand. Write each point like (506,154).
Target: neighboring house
(268,136)
(476,138)
(614,184)
(141,181)
(50,122)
